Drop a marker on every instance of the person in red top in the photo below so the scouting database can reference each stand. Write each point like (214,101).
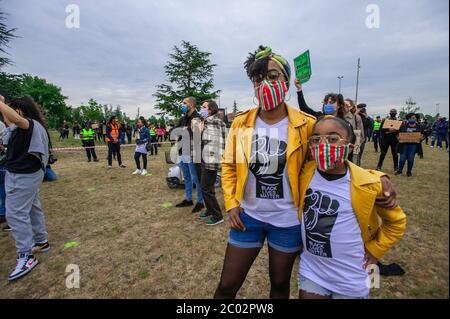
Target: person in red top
(112,137)
(160,131)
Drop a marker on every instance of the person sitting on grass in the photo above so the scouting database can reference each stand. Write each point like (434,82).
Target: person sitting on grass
(142,136)
(341,229)
(26,158)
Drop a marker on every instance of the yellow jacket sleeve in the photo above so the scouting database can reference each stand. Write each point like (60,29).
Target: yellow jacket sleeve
(392,228)
(229,175)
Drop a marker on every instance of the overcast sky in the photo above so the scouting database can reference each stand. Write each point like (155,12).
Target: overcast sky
(118,53)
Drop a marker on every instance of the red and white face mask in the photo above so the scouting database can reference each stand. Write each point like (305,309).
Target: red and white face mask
(271,94)
(329,156)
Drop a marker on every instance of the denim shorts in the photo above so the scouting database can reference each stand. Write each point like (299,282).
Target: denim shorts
(286,240)
(311,287)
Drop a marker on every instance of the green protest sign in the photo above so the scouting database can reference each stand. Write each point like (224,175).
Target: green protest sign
(303,67)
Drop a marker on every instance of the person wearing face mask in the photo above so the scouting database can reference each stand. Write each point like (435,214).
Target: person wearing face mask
(333,104)
(263,157)
(389,138)
(341,229)
(213,144)
(189,168)
(408,150)
(356,122)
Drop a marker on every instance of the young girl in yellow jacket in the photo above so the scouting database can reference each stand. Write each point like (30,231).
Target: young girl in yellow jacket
(343,231)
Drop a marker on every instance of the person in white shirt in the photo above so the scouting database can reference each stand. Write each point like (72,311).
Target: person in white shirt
(340,221)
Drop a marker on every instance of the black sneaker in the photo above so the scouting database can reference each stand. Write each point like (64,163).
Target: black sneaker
(409,174)
(24,264)
(6,228)
(41,248)
(185,203)
(122,166)
(378,168)
(198,207)
(397,173)
(95,159)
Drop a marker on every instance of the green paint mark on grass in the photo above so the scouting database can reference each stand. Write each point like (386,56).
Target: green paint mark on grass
(71,244)
(167,205)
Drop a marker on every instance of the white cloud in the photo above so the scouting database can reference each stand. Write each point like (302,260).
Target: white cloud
(118,54)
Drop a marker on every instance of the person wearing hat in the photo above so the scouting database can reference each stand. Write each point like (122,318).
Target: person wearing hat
(389,138)
(87,139)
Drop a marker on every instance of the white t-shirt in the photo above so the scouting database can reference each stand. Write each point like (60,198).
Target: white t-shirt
(268,194)
(333,255)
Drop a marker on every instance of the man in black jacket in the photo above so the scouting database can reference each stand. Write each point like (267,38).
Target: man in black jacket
(389,138)
(191,170)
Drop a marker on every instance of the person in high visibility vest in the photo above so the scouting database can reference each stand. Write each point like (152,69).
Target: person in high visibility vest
(113,139)
(87,139)
(153,140)
(376,133)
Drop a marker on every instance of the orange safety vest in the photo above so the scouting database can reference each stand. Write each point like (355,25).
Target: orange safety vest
(114,133)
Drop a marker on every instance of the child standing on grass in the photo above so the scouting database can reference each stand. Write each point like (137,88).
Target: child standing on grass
(26,158)
(341,231)
(142,136)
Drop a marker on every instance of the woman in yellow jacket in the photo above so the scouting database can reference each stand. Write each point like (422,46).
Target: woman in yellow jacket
(343,231)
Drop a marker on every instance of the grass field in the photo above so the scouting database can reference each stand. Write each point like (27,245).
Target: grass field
(132,247)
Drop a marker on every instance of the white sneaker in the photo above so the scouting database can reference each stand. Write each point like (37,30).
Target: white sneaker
(24,264)
(144,172)
(137,172)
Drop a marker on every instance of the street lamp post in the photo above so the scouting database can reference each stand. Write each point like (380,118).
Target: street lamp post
(340,79)
(357,80)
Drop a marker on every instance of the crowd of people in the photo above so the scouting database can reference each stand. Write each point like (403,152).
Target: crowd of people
(289,176)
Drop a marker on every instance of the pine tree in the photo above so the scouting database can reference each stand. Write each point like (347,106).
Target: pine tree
(190,73)
(235,108)
(6,35)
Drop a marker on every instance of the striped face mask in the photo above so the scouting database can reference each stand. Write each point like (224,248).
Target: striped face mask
(271,94)
(329,156)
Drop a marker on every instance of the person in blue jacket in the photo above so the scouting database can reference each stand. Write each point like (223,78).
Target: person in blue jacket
(142,136)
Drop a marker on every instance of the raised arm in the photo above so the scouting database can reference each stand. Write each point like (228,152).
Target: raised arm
(12,116)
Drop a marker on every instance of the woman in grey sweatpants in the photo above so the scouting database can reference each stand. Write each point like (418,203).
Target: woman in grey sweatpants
(26,158)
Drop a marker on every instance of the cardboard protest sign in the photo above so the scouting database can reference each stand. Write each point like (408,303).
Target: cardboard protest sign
(392,124)
(303,67)
(94,126)
(410,137)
